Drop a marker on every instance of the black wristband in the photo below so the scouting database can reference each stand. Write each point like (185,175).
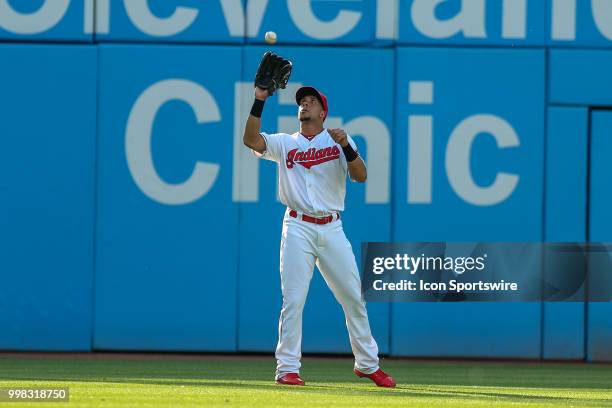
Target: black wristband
(257,108)
(349,153)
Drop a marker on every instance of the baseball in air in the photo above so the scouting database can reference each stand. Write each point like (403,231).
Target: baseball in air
(270,37)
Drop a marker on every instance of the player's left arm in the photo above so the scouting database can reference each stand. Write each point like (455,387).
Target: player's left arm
(356,166)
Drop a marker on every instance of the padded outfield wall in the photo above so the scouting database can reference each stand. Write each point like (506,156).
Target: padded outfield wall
(132,218)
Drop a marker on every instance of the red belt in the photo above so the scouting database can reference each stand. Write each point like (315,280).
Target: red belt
(314,220)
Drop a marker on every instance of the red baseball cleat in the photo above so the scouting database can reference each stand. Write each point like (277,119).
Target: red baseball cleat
(290,379)
(381,378)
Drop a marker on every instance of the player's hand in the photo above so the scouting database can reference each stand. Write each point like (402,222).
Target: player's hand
(339,136)
(261,94)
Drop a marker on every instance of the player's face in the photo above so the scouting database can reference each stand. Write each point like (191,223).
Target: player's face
(310,109)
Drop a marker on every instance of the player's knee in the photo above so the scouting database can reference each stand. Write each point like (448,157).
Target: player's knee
(294,303)
(354,305)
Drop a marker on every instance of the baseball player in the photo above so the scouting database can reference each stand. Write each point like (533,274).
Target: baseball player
(313,164)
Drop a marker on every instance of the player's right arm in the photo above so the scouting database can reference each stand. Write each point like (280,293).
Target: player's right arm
(252,138)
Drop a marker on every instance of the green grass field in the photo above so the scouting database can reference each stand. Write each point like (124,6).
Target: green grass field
(248,382)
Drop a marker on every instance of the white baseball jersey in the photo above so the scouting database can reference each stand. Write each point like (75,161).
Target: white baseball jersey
(312,173)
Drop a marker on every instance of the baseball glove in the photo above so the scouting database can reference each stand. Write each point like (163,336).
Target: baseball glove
(273,72)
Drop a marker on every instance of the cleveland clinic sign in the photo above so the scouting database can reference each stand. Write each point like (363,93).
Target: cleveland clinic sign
(374,131)
(470,21)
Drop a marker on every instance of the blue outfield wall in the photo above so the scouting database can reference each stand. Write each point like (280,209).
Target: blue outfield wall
(506,23)
(137,220)
(37,20)
(47,162)
(599,332)
(490,22)
(190,21)
(162,146)
(468,167)
(563,329)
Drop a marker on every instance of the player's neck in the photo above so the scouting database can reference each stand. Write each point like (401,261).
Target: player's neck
(310,130)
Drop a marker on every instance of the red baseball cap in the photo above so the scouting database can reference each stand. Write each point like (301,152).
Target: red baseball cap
(309,90)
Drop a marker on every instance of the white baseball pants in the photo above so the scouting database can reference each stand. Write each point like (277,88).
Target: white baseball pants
(302,245)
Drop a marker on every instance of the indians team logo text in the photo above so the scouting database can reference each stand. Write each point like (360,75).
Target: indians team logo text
(312,156)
